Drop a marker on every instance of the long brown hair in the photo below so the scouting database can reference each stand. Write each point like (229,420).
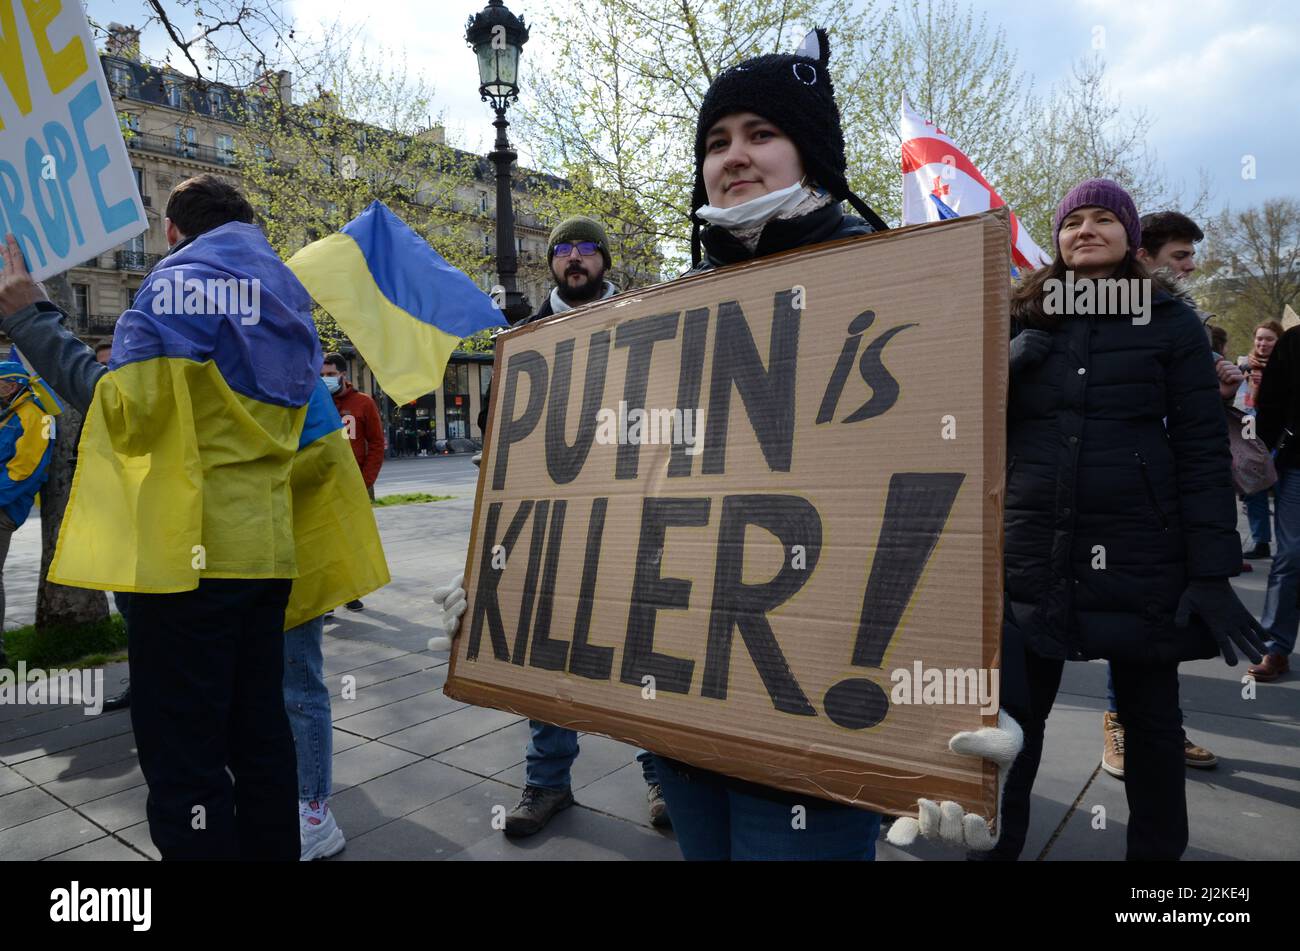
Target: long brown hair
(1027,295)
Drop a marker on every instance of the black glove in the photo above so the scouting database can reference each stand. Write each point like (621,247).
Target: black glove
(1226,617)
(1028,348)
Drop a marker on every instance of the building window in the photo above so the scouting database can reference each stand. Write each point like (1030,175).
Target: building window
(81,294)
(136,244)
(175,92)
(119,77)
(263,151)
(482,204)
(484,379)
(185,141)
(216,100)
(487,243)
(226,149)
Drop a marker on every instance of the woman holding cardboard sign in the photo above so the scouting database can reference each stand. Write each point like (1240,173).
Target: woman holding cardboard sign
(770,176)
(1120,510)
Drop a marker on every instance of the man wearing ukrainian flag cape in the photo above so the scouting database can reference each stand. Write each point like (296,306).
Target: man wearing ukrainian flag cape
(215,485)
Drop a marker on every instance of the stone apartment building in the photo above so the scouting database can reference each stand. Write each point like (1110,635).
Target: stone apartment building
(178,129)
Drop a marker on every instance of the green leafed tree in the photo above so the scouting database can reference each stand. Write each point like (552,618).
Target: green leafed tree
(363,135)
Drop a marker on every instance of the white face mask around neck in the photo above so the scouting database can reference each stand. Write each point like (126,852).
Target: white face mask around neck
(754,212)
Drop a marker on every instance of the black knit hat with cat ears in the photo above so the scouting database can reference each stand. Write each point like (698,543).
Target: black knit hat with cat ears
(794,92)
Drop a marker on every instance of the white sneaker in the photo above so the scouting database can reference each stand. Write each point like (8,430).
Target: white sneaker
(320,835)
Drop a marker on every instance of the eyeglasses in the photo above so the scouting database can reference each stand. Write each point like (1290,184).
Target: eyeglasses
(585,248)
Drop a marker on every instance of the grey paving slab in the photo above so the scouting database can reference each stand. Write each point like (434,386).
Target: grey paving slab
(107,849)
(385,670)
(11,779)
(46,836)
(361,763)
(372,804)
(440,830)
(451,730)
(119,810)
(97,783)
(26,805)
(370,654)
(388,692)
(490,754)
(88,730)
(621,793)
(138,836)
(32,721)
(70,763)
(399,715)
(345,741)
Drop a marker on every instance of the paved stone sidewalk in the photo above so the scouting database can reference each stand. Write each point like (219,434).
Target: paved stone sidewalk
(417,775)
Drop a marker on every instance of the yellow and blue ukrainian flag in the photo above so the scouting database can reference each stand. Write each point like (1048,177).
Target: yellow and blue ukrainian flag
(400,303)
(202,441)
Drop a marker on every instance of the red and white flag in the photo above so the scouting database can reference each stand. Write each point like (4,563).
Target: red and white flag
(940,182)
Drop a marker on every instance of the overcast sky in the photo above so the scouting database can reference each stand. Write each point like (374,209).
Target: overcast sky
(1220,78)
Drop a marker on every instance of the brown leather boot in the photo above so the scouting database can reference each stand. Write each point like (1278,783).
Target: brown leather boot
(1273,667)
(1112,748)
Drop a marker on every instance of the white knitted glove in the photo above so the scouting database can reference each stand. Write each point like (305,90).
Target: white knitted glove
(947,822)
(451,599)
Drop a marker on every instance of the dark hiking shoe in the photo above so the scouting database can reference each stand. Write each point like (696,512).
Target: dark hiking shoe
(658,808)
(354,605)
(120,702)
(535,809)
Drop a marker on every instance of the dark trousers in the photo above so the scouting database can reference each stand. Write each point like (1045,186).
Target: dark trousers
(207,696)
(1147,698)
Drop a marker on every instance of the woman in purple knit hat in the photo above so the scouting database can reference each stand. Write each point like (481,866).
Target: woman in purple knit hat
(1121,529)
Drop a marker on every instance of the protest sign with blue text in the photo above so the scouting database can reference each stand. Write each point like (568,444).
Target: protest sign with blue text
(67,191)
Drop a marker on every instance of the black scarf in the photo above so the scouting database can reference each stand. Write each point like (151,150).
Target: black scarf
(780,234)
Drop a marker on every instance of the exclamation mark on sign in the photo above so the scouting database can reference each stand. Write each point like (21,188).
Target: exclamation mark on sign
(916,511)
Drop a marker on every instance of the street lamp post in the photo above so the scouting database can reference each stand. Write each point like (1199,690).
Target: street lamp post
(497,37)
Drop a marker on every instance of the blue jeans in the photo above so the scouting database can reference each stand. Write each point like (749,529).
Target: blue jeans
(1110,690)
(1257,515)
(716,823)
(552,750)
(307,701)
(1281,616)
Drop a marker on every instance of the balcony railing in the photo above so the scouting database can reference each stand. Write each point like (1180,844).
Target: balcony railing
(91,323)
(146,142)
(135,260)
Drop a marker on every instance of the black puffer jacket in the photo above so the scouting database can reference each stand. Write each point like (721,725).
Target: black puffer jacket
(827,223)
(1117,447)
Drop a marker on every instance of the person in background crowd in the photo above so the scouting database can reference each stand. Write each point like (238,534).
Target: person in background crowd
(1116,438)
(361,423)
(102,353)
(579,253)
(1277,412)
(1252,366)
(1167,248)
(26,444)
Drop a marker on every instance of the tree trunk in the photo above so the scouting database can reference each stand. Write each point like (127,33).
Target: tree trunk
(56,604)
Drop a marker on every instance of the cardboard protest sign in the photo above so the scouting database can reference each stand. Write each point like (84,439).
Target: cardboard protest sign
(67,191)
(752,520)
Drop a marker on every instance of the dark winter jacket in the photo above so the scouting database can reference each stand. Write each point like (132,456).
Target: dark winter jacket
(1278,404)
(827,223)
(1119,486)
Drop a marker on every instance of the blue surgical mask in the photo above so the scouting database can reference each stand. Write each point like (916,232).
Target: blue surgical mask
(332,383)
